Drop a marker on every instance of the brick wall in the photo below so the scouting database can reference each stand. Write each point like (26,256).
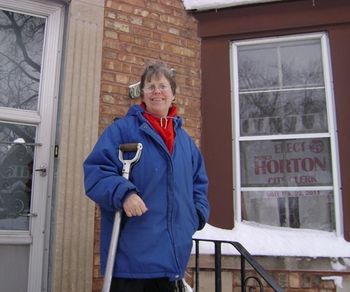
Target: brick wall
(295,281)
(135,32)
(138,31)
(293,274)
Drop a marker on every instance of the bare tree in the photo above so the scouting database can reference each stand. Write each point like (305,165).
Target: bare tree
(21,45)
(279,94)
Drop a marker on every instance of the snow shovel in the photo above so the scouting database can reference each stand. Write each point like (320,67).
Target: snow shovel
(127,164)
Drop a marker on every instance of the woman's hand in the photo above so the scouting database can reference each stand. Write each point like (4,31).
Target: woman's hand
(134,205)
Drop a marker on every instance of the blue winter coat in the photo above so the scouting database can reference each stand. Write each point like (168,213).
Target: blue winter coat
(173,187)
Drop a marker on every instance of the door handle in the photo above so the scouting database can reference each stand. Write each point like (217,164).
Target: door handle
(29,214)
(42,170)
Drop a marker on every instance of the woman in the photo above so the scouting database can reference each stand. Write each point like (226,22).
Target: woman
(165,199)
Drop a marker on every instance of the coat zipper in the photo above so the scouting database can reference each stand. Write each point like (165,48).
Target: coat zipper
(148,130)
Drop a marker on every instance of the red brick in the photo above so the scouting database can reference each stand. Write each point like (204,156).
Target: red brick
(136,32)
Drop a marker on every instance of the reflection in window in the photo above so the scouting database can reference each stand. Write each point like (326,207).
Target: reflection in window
(16,168)
(284,140)
(281,88)
(295,209)
(21,45)
(283,112)
(280,65)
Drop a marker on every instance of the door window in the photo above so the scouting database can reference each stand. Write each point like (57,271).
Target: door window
(16,169)
(21,46)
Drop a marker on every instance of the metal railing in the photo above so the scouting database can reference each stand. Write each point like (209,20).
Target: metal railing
(245,256)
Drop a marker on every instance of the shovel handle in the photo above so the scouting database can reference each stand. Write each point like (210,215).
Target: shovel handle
(129,147)
(127,164)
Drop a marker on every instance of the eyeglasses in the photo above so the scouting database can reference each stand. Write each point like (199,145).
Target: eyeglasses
(153,88)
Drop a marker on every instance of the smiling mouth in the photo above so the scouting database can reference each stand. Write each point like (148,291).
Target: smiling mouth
(157,99)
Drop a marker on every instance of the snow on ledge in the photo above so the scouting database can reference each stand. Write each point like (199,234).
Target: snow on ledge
(274,241)
(338,281)
(217,4)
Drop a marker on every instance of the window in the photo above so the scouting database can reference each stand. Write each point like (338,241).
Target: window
(284,134)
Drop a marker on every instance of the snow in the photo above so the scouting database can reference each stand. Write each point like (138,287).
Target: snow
(217,4)
(274,241)
(338,281)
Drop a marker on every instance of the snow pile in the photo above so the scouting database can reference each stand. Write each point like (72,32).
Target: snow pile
(273,241)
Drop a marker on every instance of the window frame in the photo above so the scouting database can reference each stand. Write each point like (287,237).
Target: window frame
(331,120)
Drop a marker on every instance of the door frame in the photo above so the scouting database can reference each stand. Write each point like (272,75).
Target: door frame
(39,238)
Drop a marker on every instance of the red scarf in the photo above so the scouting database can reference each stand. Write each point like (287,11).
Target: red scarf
(164,126)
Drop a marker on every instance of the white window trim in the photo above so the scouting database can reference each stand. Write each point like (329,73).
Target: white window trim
(332,131)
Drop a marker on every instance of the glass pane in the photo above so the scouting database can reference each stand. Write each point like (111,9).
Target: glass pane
(16,168)
(302,64)
(287,112)
(280,65)
(299,209)
(257,67)
(21,45)
(297,162)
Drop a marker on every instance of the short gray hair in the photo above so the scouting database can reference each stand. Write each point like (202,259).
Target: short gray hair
(157,69)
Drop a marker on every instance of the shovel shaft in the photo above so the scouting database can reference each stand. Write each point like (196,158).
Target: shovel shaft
(127,164)
(111,252)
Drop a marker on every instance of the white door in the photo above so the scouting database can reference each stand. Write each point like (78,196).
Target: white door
(30,44)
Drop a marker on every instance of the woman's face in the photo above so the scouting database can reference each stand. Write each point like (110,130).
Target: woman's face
(157,95)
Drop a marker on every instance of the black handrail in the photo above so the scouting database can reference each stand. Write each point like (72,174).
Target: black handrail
(245,256)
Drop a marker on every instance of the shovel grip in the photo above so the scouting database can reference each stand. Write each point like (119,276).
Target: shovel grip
(128,147)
